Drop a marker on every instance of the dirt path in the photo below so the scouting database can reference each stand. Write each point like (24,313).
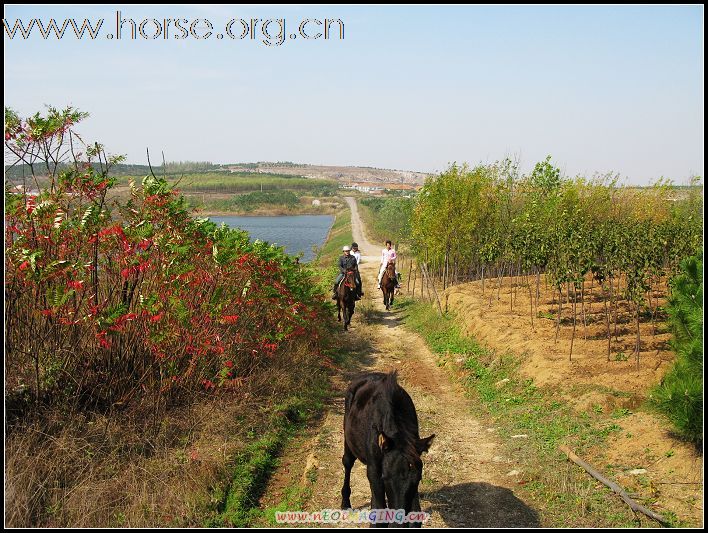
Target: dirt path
(466,481)
(369,250)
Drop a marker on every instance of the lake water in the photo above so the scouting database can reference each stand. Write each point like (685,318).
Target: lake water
(296,233)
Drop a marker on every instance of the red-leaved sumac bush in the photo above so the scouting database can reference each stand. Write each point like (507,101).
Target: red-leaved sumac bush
(109,300)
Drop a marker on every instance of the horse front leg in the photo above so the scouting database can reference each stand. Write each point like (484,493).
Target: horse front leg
(348,460)
(378,491)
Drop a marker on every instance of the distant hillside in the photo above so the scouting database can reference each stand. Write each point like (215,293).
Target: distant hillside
(339,173)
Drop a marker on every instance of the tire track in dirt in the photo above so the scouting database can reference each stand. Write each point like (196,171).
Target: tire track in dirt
(466,481)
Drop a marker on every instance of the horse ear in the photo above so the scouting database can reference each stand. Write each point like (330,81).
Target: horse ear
(423,444)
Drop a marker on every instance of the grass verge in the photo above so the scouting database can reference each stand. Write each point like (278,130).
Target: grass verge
(340,234)
(325,261)
(237,500)
(195,465)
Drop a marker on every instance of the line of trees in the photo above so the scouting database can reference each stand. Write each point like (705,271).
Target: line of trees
(388,218)
(491,223)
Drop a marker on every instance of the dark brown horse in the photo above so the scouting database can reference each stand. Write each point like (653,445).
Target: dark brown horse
(346,296)
(388,284)
(381,430)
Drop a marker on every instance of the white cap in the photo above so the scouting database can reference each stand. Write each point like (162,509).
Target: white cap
(346,249)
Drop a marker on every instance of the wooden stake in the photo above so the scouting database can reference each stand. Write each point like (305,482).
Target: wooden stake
(415,279)
(558,318)
(572,338)
(424,269)
(607,319)
(528,283)
(638,338)
(410,268)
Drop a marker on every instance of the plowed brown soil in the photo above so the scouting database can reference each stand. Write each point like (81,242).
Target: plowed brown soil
(589,382)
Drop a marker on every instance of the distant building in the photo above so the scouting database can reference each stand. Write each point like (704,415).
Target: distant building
(316,203)
(373,188)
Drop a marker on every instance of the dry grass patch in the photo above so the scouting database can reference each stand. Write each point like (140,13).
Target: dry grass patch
(149,467)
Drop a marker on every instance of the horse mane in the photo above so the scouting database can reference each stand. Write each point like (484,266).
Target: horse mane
(401,433)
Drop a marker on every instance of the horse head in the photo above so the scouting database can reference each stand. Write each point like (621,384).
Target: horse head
(350,280)
(402,468)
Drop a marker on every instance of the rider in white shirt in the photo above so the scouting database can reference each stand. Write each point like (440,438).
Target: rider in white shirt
(357,255)
(387,254)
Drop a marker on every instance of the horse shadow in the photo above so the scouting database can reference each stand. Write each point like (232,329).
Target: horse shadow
(390,319)
(479,505)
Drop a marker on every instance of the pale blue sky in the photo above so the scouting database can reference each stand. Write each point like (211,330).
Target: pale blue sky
(600,88)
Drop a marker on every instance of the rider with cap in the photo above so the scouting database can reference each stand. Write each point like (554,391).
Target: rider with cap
(346,262)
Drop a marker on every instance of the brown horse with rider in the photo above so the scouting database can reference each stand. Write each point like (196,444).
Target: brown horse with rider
(388,284)
(347,287)
(388,277)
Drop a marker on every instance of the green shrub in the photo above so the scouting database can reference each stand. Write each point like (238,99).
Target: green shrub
(680,394)
(107,304)
(252,200)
